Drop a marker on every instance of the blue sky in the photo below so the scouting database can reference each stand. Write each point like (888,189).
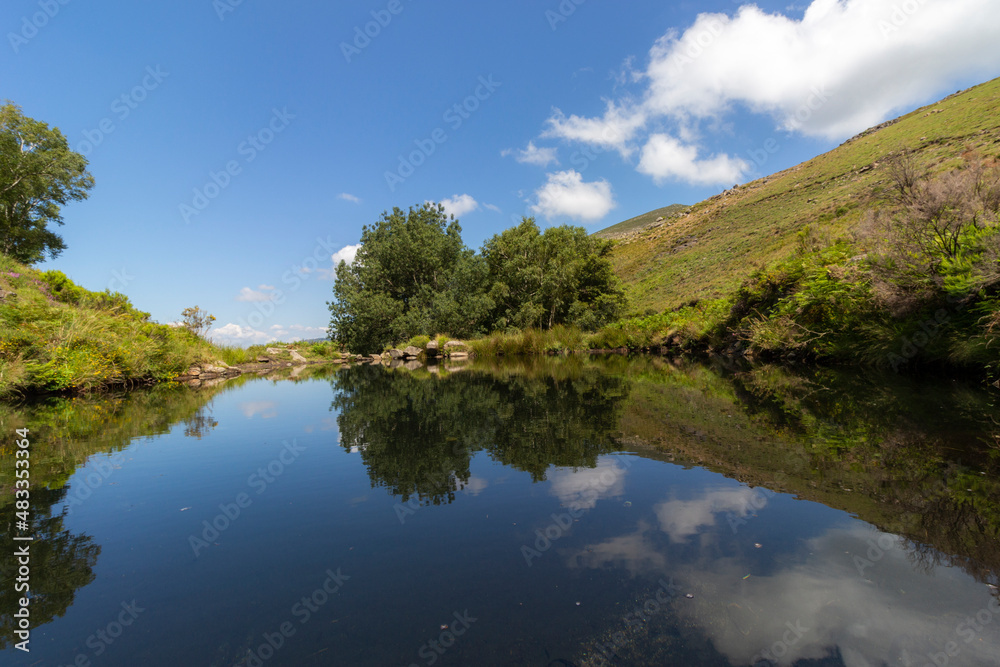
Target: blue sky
(239,146)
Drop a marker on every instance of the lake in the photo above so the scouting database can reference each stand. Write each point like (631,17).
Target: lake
(556,511)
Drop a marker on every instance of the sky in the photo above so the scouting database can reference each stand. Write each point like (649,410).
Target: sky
(239,146)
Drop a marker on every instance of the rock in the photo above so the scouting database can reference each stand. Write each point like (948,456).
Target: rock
(194,371)
(395,363)
(376,359)
(4,294)
(396,354)
(411,352)
(432,348)
(296,356)
(213,370)
(459,354)
(263,360)
(413,365)
(275,350)
(454,343)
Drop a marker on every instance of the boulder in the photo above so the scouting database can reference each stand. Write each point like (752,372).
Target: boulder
(454,343)
(432,348)
(396,354)
(263,360)
(459,354)
(296,356)
(376,359)
(413,365)
(194,371)
(275,350)
(411,352)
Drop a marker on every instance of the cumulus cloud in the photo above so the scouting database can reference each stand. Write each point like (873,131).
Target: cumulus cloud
(566,194)
(614,130)
(345,254)
(842,67)
(581,488)
(681,519)
(235,334)
(349,197)
(665,158)
(459,205)
(542,157)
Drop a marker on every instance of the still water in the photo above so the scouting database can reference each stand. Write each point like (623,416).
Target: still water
(559,512)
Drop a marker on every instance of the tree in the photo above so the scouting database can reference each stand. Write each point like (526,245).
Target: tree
(559,276)
(38,174)
(412,275)
(197,321)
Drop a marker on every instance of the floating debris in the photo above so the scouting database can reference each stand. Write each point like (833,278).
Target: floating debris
(746,577)
(757,545)
(689,596)
(628,503)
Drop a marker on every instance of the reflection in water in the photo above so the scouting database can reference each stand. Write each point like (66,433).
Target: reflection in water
(417,433)
(60,563)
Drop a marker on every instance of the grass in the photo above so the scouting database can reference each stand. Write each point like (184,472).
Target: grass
(710,252)
(58,337)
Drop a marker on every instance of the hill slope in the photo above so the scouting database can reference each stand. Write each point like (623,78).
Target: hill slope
(710,250)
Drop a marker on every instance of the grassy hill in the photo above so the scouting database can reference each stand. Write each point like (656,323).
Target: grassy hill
(641,222)
(709,251)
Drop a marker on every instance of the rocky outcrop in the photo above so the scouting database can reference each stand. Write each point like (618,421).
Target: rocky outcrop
(412,352)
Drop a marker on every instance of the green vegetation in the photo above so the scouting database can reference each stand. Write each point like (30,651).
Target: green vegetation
(413,276)
(38,174)
(640,222)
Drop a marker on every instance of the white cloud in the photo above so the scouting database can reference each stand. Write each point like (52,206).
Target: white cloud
(459,205)
(842,67)
(683,518)
(253,296)
(493,207)
(845,66)
(349,197)
(565,194)
(616,129)
(266,409)
(542,157)
(581,488)
(664,157)
(234,334)
(345,254)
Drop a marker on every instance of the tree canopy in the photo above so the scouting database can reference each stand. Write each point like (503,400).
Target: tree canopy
(38,174)
(414,275)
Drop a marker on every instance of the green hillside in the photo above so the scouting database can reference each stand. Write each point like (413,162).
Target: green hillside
(641,222)
(708,252)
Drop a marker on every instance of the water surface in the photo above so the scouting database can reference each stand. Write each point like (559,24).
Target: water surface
(557,512)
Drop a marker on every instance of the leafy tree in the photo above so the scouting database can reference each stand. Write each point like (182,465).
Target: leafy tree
(197,321)
(412,275)
(559,276)
(38,174)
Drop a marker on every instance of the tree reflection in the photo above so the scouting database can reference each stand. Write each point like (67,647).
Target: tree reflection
(418,433)
(61,563)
